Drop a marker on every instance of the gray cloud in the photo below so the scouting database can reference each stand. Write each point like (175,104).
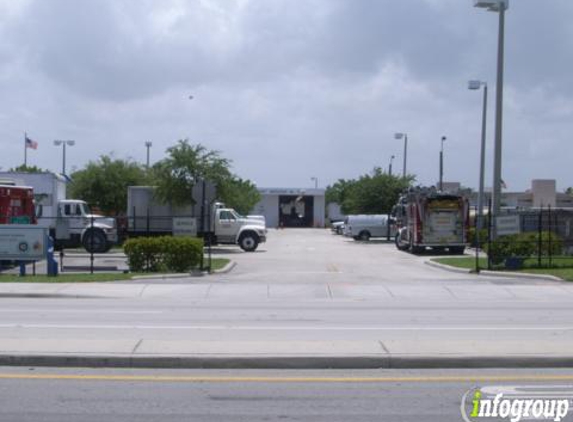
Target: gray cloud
(286,89)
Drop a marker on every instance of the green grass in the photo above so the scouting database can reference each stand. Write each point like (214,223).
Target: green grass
(218,263)
(562,267)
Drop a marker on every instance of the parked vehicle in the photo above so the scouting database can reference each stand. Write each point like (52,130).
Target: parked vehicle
(147,216)
(427,218)
(364,227)
(70,221)
(337,227)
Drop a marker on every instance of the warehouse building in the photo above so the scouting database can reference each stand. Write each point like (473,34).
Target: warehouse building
(291,207)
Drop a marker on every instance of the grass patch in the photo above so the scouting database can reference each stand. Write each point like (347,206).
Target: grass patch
(563,267)
(218,263)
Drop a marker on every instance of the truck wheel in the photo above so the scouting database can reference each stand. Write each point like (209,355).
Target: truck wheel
(364,236)
(399,245)
(249,242)
(95,242)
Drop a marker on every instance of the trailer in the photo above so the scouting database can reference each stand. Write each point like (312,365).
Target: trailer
(146,216)
(427,218)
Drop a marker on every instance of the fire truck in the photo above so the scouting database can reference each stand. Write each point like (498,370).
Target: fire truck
(17,205)
(427,218)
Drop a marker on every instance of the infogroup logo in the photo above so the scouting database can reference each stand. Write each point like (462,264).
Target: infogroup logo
(517,403)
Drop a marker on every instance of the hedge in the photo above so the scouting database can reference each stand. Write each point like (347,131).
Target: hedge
(167,253)
(524,245)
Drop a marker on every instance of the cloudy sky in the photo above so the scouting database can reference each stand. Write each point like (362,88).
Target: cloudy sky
(288,89)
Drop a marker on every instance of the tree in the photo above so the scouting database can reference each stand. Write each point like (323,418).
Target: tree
(242,195)
(187,164)
(104,183)
(374,193)
(338,191)
(22,168)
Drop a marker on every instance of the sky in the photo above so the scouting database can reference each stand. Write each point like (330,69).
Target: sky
(289,89)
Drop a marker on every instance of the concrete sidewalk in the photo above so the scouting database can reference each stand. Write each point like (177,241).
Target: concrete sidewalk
(280,355)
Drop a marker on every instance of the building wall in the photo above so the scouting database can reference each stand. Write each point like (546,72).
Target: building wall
(269,207)
(319,211)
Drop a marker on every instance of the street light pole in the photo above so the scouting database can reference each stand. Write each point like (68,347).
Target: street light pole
(315,181)
(442,164)
(405,136)
(499,6)
(148,145)
(475,85)
(390,166)
(64,143)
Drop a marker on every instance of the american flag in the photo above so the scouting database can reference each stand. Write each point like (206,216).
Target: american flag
(31,144)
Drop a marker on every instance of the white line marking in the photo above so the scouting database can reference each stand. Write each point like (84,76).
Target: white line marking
(274,328)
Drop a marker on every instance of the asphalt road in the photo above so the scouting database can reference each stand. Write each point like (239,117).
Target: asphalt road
(306,293)
(56,395)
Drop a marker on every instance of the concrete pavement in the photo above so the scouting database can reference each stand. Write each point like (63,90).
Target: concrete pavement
(309,300)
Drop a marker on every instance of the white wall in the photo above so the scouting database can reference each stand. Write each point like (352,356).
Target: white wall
(269,207)
(319,211)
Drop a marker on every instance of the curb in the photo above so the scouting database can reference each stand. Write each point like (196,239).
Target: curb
(226,269)
(290,362)
(501,274)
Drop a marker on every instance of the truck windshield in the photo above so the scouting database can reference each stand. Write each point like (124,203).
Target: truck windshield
(85,209)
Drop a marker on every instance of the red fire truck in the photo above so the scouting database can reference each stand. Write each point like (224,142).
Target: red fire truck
(428,218)
(17,205)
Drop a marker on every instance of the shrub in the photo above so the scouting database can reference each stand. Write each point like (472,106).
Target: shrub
(523,245)
(483,236)
(167,253)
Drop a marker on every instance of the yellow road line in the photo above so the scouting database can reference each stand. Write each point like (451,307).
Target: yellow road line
(293,380)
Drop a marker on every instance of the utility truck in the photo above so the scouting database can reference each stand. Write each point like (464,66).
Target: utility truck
(146,216)
(70,221)
(428,218)
(16,204)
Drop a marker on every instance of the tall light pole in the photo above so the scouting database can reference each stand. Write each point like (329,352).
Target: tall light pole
(475,85)
(390,166)
(405,136)
(148,145)
(499,6)
(64,143)
(442,163)
(315,179)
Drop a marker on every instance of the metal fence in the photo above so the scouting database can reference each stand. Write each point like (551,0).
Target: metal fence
(543,238)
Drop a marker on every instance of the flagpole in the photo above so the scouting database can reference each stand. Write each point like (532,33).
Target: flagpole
(25,150)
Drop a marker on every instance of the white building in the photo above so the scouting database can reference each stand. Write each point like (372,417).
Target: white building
(292,207)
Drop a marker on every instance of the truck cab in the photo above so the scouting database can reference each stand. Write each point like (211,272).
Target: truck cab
(232,228)
(77,225)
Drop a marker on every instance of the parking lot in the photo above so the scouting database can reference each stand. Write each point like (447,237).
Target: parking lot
(317,255)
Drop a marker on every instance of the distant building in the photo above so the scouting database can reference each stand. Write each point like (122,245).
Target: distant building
(292,207)
(543,193)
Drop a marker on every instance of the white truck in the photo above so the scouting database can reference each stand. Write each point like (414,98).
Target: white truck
(146,216)
(70,221)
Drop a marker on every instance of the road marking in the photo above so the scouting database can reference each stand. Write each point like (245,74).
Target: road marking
(273,328)
(71,310)
(291,380)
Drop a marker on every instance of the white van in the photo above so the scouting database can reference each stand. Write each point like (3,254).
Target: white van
(363,227)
